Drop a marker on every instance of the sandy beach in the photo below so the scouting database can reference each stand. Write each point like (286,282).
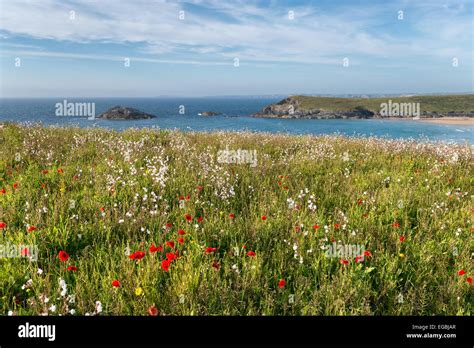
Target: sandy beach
(464,121)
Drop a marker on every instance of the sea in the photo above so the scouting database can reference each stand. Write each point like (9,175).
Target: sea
(183,114)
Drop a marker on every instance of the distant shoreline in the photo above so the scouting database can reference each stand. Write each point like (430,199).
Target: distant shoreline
(462,121)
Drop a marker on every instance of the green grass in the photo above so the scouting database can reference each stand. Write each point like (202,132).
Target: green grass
(438,103)
(118,190)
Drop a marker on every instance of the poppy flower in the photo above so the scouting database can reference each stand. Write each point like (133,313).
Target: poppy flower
(170,256)
(137,255)
(102,209)
(154,248)
(3,191)
(396,224)
(170,244)
(264,218)
(315,226)
(169,225)
(200,188)
(63,256)
(461,272)
(153,311)
(72,268)
(181,240)
(402,238)
(344,262)
(367,253)
(2,225)
(116,283)
(165,265)
(337,226)
(359,258)
(281,283)
(365,216)
(188,217)
(15,186)
(200,219)
(469,280)
(60,171)
(181,232)
(25,252)
(216,265)
(210,250)
(360,201)
(251,253)
(45,171)
(232,216)
(31,228)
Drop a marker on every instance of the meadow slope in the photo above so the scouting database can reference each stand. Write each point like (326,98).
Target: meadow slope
(147,222)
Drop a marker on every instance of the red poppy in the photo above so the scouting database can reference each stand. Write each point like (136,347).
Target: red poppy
(188,197)
(200,188)
(469,280)
(359,258)
(297,229)
(344,262)
(170,256)
(165,265)
(210,250)
(60,171)
(200,219)
(232,216)
(63,256)
(45,171)
(25,252)
(396,224)
(137,255)
(367,253)
(402,238)
(2,225)
(15,186)
(169,225)
(153,311)
(281,283)
(3,191)
(360,201)
(102,209)
(365,216)
(337,226)
(181,198)
(181,240)
(31,228)
(154,248)
(72,268)
(116,283)
(251,253)
(181,232)
(315,226)
(244,246)
(216,265)
(264,217)
(461,272)
(170,244)
(188,217)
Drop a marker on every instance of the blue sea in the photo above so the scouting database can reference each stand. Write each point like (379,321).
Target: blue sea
(236,116)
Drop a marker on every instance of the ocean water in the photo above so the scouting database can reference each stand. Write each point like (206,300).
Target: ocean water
(236,116)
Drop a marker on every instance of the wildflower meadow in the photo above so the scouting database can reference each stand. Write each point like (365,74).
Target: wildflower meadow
(160,222)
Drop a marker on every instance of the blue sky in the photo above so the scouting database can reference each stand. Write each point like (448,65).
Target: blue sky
(83,54)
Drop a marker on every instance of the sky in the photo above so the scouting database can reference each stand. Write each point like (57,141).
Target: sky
(65,48)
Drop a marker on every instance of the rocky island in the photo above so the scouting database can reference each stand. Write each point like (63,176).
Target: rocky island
(124,113)
(210,113)
(418,107)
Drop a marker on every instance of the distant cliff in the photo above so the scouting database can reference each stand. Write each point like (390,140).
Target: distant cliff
(362,108)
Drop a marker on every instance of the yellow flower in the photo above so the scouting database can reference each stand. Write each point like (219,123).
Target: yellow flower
(138,291)
(401,255)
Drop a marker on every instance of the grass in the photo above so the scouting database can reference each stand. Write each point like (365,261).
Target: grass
(436,103)
(100,195)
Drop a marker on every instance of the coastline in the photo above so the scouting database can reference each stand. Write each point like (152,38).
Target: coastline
(462,121)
